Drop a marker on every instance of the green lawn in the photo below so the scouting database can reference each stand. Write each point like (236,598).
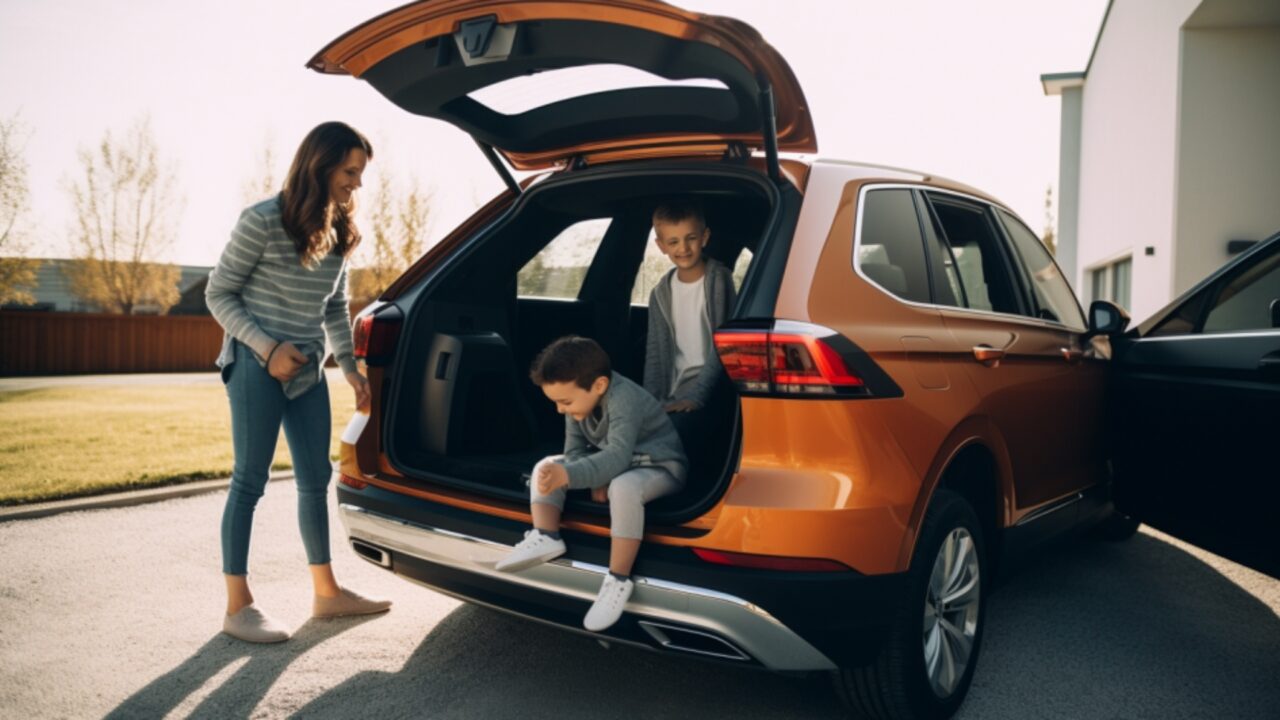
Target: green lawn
(71,441)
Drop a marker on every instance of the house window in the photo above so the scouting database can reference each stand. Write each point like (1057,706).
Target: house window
(1113,282)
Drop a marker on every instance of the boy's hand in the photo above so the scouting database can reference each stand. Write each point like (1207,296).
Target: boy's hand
(551,477)
(600,494)
(681,406)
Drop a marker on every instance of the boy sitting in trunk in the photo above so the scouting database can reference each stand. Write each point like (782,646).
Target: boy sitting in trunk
(681,366)
(616,436)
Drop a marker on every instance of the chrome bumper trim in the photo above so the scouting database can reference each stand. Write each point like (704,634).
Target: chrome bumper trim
(739,622)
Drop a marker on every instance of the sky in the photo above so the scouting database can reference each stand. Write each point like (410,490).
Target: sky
(948,88)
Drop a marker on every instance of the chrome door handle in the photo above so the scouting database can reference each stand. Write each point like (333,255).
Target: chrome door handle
(1072,355)
(988,355)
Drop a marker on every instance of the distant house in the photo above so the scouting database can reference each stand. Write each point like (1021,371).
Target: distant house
(1169,157)
(53,291)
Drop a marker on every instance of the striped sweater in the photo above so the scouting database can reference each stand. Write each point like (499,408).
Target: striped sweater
(261,294)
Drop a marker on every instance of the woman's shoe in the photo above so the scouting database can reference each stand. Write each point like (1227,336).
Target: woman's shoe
(348,602)
(252,625)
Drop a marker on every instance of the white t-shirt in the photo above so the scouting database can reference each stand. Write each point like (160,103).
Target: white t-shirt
(688,306)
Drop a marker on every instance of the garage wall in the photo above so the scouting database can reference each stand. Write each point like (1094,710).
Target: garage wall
(1128,129)
(1228,161)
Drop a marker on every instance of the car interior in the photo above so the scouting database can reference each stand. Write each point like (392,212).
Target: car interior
(567,260)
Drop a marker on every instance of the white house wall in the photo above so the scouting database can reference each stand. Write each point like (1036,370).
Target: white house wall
(1128,129)
(1228,181)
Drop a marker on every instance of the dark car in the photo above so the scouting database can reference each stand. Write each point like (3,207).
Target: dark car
(1195,406)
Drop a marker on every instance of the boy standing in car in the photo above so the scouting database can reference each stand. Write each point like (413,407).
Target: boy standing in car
(616,436)
(686,306)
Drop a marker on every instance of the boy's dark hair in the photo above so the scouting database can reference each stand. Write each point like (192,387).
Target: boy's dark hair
(679,209)
(571,359)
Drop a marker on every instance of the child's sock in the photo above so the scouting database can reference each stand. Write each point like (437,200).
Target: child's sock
(619,578)
(553,535)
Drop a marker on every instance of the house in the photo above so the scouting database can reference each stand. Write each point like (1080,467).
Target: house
(1170,157)
(52,291)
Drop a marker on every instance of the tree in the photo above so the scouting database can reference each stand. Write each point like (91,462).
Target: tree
(124,205)
(1050,238)
(395,240)
(17,273)
(263,184)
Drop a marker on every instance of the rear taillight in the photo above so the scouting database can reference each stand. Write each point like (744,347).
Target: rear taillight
(769,562)
(376,332)
(352,482)
(792,359)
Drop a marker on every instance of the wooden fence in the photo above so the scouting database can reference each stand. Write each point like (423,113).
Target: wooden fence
(57,343)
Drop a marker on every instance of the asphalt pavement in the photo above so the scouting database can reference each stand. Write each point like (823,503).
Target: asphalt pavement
(117,613)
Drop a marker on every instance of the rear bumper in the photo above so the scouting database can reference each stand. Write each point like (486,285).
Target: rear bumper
(661,614)
(786,621)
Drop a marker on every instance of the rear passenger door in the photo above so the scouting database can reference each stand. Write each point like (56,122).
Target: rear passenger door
(1018,326)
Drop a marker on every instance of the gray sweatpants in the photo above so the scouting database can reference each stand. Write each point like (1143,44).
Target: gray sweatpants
(628,494)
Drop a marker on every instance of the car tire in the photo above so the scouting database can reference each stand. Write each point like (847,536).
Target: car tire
(1117,527)
(907,681)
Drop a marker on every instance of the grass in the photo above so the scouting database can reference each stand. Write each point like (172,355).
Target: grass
(73,441)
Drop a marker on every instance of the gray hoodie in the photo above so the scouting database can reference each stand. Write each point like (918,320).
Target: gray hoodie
(660,350)
(627,429)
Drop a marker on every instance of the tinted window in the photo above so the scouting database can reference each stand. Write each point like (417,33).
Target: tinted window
(557,271)
(967,233)
(1053,296)
(1245,302)
(891,252)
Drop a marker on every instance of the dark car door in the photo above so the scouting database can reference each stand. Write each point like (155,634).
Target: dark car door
(1196,414)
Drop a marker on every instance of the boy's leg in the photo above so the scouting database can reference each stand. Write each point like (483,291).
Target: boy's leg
(546,509)
(543,543)
(628,494)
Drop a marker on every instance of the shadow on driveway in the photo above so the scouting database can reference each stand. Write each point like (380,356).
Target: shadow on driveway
(239,694)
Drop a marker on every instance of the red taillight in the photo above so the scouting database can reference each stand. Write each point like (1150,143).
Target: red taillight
(769,562)
(784,363)
(376,334)
(352,482)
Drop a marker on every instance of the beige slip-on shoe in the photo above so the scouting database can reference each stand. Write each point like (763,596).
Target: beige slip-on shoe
(252,625)
(348,602)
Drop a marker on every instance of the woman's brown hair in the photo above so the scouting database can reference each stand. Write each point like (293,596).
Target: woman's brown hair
(316,225)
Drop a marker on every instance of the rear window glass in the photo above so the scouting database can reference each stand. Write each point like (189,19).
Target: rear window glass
(557,271)
(891,251)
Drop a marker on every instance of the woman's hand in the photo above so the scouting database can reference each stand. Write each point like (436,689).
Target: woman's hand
(361,386)
(284,361)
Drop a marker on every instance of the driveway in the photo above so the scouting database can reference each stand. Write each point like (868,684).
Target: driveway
(116,613)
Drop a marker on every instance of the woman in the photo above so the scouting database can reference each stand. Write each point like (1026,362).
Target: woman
(279,288)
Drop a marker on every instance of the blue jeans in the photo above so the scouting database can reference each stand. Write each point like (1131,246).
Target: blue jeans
(258,406)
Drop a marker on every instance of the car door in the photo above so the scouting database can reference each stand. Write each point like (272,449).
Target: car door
(1017,328)
(1195,414)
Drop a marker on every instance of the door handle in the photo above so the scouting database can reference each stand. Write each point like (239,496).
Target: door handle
(1270,363)
(1071,355)
(988,355)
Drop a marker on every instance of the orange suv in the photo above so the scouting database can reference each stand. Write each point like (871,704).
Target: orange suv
(911,391)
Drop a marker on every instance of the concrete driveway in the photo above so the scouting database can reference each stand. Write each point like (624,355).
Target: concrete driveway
(116,613)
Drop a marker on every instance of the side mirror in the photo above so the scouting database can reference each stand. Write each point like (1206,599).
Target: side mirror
(1275,313)
(1107,318)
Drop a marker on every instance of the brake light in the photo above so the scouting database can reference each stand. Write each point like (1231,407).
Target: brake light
(769,562)
(352,482)
(376,333)
(786,363)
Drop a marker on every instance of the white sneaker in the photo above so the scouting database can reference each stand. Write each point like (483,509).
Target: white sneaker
(607,608)
(535,549)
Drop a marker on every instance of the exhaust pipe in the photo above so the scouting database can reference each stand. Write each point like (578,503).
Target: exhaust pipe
(696,642)
(372,553)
